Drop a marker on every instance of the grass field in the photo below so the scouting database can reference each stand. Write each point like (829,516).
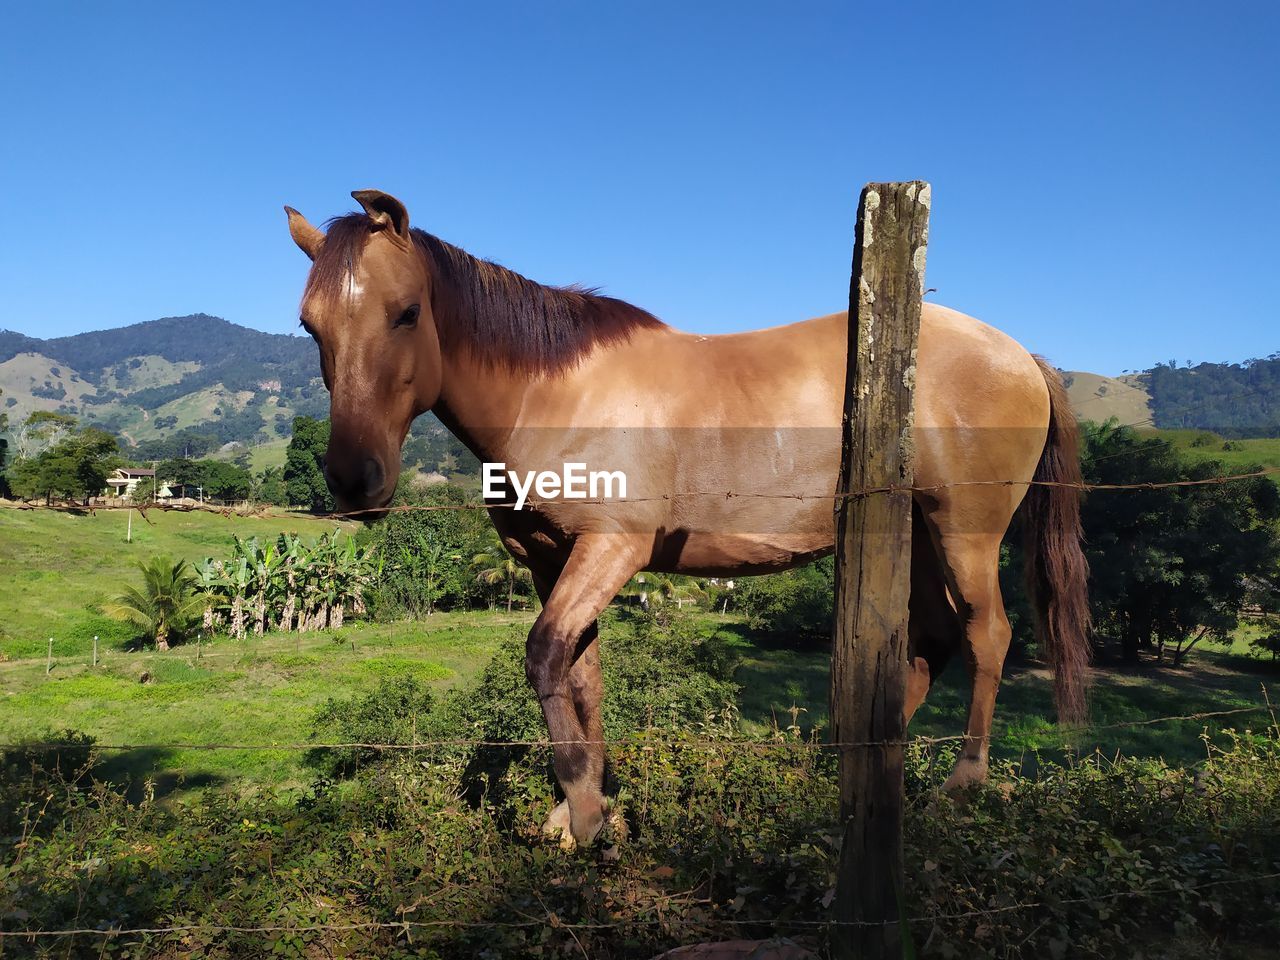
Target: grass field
(1202,445)
(259,691)
(55,567)
(1098,398)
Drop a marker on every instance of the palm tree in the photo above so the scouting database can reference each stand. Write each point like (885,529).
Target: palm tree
(166,606)
(494,565)
(655,589)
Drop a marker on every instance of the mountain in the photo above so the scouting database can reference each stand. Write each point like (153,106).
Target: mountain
(170,386)
(197,385)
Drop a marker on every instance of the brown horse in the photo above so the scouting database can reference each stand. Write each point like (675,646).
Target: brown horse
(535,377)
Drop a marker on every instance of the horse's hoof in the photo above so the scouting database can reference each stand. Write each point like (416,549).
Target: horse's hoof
(968,773)
(558,823)
(588,833)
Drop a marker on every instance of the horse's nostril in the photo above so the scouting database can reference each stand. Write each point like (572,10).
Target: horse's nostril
(355,480)
(374,476)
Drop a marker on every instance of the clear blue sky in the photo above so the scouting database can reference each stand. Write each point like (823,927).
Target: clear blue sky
(1106,180)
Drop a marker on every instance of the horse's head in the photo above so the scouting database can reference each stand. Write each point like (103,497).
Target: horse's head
(367,304)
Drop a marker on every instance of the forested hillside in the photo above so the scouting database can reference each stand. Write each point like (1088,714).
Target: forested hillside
(1233,399)
(180,386)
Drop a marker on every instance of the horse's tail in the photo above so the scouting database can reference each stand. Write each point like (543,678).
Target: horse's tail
(1056,570)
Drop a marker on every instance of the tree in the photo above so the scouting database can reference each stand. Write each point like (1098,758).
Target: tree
(4,452)
(269,487)
(1171,567)
(796,603)
(427,551)
(216,478)
(41,430)
(75,466)
(654,589)
(303,478)
(166,606)
(286,585)
(495,566)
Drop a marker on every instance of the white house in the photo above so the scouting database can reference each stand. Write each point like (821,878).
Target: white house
(125,480)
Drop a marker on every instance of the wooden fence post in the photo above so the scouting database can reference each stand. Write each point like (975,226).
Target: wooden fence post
(873,565)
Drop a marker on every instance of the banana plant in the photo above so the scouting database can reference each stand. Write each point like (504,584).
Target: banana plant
(287,584)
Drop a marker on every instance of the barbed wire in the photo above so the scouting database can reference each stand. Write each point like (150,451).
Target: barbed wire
(637,741)
(553,920)
(531,503)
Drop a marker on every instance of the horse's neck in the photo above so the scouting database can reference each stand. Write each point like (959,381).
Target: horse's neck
(480,404)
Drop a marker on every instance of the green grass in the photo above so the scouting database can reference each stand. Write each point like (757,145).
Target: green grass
(774,680)
(271,453)
(151,371)
(258,691)
(1203,445)
(265,690)
(57,567)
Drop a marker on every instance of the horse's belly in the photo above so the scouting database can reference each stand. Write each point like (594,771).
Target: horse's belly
(720,554)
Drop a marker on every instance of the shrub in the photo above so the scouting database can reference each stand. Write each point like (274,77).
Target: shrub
(390,714)
(729,838)
(797,603)
(427,554)
(165,608)
(37,781)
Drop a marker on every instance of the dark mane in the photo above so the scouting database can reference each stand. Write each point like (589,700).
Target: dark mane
(496,315)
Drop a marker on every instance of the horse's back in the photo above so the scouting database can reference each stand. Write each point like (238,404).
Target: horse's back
(763,424)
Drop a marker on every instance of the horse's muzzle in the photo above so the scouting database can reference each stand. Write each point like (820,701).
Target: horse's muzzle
(358,485)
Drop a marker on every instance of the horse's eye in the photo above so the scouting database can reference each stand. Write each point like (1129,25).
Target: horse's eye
(409,318)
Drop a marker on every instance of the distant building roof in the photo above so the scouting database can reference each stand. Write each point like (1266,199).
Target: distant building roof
(130,472)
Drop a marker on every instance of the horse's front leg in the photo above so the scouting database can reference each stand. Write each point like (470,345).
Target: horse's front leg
(562,664)
(587,686)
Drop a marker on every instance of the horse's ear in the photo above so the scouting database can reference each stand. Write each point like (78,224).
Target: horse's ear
(307,237)
(384,210)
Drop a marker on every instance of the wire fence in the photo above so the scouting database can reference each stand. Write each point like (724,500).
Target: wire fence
(672,920)
(720,744)
(669,921)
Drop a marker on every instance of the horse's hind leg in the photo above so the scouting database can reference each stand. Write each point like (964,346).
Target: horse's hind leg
(934,631)
(972,561)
